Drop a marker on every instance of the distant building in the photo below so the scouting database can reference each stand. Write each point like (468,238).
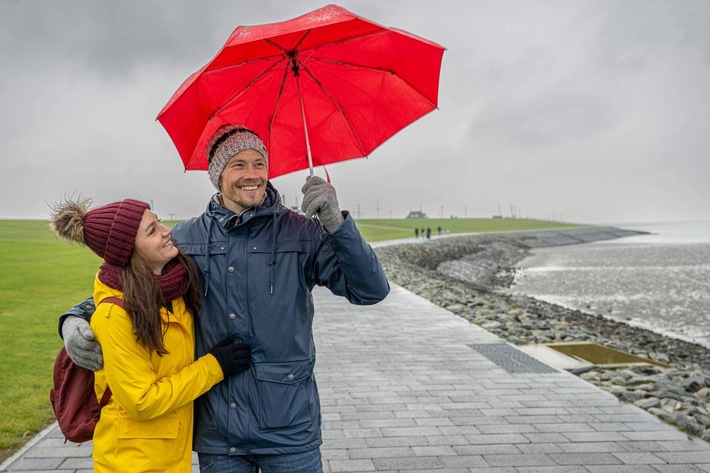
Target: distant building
(416,214)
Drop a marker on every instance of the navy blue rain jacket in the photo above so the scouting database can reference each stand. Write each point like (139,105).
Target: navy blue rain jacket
(259,269)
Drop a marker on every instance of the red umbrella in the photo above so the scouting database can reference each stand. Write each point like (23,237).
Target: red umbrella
(321,88)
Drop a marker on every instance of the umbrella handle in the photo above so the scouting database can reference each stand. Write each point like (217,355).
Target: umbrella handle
(305,127)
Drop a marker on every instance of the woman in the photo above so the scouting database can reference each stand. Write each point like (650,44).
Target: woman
(148,347)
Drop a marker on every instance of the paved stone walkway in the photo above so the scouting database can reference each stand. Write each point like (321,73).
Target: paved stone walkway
(409,387)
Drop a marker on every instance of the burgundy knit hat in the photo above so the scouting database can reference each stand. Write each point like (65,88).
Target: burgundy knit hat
(110,230)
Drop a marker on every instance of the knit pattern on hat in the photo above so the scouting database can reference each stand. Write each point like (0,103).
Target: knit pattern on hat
(110,230)
(240,138)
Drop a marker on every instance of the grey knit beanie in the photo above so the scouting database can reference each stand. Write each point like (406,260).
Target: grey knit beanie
(227,141)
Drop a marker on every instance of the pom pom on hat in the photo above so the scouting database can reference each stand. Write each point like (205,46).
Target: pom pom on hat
(109,231)
(67,219)
(227,141)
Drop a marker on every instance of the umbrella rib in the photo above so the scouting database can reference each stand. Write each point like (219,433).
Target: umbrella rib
(244,89)
(273,59)
(315,48)
(376,69)
(335,102)
(276,104)
(291,58)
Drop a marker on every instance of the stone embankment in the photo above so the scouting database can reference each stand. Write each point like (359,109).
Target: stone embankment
(468,275)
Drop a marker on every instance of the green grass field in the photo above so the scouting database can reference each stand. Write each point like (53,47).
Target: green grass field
(41,277)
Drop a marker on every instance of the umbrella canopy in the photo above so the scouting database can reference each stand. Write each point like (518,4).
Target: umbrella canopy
(324,87)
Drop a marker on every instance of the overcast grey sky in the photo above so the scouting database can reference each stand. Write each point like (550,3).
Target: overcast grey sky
(585,111)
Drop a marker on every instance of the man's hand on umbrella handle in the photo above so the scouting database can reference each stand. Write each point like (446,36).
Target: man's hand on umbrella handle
(319,199)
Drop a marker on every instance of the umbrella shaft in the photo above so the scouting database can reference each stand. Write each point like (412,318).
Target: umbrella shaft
(305,127)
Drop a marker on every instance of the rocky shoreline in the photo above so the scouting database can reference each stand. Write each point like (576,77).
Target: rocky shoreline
(468,275)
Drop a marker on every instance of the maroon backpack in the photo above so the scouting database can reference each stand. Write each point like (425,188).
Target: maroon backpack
(73,398)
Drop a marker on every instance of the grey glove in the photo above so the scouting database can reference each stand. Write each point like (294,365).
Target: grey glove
(80,343)
(319,199)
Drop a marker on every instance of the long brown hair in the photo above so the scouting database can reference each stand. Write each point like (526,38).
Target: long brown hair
(143,299)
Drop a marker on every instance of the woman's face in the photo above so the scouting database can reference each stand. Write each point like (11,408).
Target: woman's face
(153,242)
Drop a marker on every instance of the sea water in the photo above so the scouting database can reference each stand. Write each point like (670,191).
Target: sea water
(659,281)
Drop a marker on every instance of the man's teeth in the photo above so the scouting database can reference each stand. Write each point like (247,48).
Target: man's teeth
(250,188)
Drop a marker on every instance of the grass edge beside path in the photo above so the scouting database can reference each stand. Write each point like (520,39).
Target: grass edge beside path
(395,229)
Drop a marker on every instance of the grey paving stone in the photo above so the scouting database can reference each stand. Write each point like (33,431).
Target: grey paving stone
(591,447)
(334,454)
(506,428)
(412,463)
(564,427)
(610,427)
(661,434)
(595,437)
(350,466)
(48,471)
(553,469)
(343,443)
(621,469)
(497,438)
(494,470)
(683,445)
(58,452)
(78,463)
(397,441)
(546,437)
(682,468)
(451,440)
(539,448)
(434,450)
(585,459)
(520,460)
(463,461)
(381,452)
(685,457)
(487,449)
(36,464)
(638,458)
(386,423)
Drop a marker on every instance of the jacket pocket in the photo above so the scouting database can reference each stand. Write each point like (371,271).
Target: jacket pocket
(163,427)
(284,246)
(192,249)
(284,394)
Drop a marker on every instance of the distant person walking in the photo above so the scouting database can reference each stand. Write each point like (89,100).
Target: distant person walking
(416,232)
(428,233)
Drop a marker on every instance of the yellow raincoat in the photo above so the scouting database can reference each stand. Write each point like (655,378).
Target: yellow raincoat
(147,424)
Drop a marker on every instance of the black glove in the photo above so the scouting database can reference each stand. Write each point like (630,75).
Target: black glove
(233,357)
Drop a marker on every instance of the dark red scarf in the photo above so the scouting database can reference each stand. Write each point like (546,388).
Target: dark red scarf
(173,281)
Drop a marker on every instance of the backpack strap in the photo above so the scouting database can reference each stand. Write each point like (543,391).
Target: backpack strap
(119,302)
(114,300)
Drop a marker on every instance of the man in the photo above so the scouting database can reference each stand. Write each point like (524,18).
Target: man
(259,262)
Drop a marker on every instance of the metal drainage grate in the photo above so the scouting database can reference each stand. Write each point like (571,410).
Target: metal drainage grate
(511,359)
